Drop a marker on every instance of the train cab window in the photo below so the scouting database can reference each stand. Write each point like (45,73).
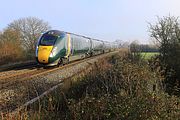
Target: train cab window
(48,40)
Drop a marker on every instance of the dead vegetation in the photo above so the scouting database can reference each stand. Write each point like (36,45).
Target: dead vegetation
(116,88)
(18,40)
(10,48)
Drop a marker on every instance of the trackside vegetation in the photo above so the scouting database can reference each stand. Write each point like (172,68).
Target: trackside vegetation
(116,88)
(166,33)
(19,38)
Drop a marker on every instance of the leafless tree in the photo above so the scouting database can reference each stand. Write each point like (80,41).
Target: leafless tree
(10,48)
(167,33)
(30,29)
(134,46)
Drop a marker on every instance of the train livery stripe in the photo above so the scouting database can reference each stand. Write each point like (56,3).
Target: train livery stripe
(43,53)
(68,45)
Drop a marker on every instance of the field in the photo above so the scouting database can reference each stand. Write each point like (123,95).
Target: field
(148,55)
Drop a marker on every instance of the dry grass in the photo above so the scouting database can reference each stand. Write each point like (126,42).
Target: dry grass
(116,88)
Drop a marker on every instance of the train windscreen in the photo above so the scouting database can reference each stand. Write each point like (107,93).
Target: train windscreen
(48,40)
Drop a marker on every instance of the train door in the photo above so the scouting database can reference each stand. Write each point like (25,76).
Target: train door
(72,46)
(69,45)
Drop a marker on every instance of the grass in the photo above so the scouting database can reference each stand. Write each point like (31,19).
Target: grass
(148,55)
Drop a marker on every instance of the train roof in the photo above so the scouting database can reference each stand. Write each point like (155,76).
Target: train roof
(58,32)
(55,32)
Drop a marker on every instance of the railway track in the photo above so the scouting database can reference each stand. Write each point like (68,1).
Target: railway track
(9,80)
(45,93)
(16,66)
(23,94)
(13,74)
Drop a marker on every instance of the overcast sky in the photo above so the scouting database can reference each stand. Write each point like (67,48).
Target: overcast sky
(103,19)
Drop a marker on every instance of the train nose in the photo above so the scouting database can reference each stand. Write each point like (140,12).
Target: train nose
(43,53)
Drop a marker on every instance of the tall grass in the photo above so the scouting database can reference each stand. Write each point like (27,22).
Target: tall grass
(116,88)
(126,90)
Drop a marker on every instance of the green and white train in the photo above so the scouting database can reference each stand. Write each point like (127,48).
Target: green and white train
(57,47)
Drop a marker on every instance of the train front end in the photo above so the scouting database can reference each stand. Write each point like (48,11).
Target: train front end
(50,48)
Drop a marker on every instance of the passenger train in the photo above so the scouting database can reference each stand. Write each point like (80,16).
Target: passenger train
(57,47)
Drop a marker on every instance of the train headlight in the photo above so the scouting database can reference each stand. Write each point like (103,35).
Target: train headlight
(53,52)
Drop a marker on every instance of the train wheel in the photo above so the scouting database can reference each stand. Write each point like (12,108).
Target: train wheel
(67,60)
(86,55)
(103,52)
(60,62)
(91,54)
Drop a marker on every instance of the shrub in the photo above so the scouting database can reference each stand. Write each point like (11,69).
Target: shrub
(10,46)
(166,33)
(125,90)
(116,88)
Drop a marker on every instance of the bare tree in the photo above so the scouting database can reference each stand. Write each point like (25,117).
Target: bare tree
(134,47)
(135,50)
(30,29)
(9,35)
(10,48)
(167,33)
(119,42)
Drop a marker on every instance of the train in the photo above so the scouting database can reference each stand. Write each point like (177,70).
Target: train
(56,47)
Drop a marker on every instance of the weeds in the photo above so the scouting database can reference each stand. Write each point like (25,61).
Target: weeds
(115,88)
